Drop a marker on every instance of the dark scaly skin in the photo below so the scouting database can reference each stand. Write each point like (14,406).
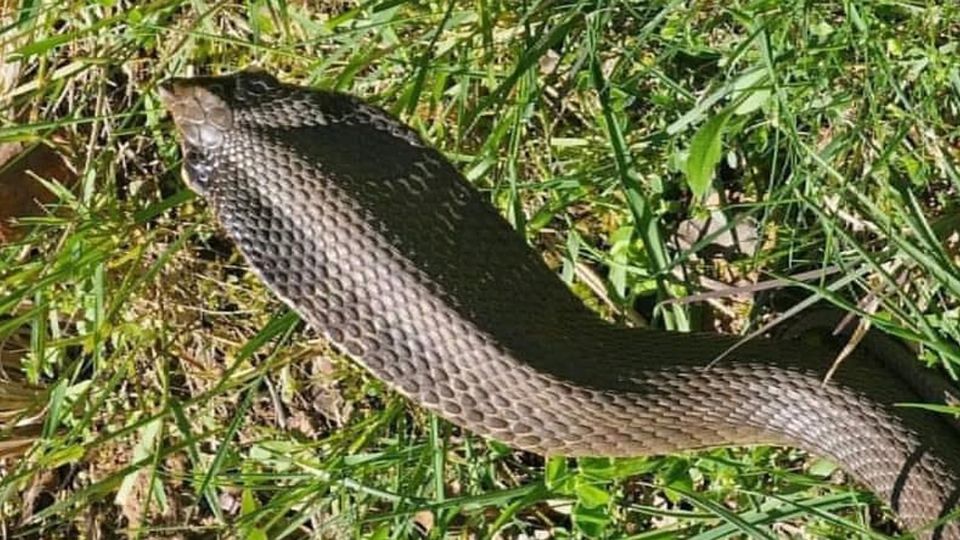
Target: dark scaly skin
(379,243)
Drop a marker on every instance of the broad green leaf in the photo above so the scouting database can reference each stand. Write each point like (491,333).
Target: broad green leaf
(591,496)
(592,522)
(705,151)
(556,473)
(754,101)
(822,468)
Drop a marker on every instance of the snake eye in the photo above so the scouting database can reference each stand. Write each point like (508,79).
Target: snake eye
(257,87)
(256,83)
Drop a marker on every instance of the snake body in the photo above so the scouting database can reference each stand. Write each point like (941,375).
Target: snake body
(377,240)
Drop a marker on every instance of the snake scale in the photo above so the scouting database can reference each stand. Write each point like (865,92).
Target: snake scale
(378,242)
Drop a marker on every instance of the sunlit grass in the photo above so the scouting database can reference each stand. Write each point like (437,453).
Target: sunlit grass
(164,391)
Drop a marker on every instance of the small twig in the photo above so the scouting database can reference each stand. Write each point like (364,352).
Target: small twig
(595,283)
(869,305)
(755,287)
(277,405)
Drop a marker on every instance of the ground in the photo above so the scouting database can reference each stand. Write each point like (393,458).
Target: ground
(152,387)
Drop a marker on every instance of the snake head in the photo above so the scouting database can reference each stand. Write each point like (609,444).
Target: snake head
(204,111)
(223,120)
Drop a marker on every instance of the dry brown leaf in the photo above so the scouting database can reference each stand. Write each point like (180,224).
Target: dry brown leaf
(21,194)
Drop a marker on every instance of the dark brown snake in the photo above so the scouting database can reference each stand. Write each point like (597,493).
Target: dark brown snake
(378,242)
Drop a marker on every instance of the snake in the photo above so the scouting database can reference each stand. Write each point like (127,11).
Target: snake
(383,247)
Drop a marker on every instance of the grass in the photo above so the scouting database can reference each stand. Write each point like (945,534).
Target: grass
(153,388)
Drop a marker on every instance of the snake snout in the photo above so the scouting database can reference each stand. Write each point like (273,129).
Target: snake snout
(199,109)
